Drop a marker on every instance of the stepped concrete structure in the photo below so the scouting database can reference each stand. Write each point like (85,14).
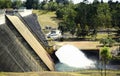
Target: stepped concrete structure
(20,50)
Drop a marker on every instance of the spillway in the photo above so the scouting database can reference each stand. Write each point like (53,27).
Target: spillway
(20,51)
(72,57)
(32,41)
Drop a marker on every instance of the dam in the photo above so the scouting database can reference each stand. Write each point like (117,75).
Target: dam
(23,45)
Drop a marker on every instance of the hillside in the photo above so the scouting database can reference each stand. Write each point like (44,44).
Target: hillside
(47,18)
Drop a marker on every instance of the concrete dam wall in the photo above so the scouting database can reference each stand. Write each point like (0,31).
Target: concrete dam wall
(34,26)
(20,51)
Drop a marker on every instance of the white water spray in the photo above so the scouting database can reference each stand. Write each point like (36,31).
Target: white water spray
(73,57)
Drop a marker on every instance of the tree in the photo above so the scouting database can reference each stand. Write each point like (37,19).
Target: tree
(68,14)
(62,27)
(104,15)
(29,4)
(16,4)
(1,4)
(32,4)
(79,30)
(84,17)
(35,4)
(8,3)
(69,19)
(105,57)
(107,41)
(104,41)
(5,4)
(52,6)
(115,10)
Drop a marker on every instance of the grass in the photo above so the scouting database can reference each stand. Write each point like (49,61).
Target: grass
(47,18)
(100,36)
(2,74)
(46,73)
(42,74)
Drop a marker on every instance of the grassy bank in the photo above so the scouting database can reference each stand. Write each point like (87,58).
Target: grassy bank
(81,73)
(47,18)
(41,74)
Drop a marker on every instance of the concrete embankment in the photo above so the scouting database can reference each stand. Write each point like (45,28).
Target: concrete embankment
(32,41)
(13,55)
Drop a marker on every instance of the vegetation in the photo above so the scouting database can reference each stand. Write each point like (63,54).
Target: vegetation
(49,18)
(87,19)
(11,4)
(105,57)
(82,73)
(107,42)
(82,19)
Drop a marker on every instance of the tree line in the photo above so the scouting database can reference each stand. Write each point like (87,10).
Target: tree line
(82,19)
(86,19)
(10,4)
(15,4)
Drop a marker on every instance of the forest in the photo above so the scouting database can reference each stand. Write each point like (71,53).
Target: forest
(82,19)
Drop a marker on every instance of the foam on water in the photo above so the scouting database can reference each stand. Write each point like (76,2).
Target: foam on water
(73,57)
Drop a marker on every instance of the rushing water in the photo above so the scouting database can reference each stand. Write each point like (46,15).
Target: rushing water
(71,58)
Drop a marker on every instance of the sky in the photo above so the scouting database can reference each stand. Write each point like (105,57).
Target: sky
(77,1)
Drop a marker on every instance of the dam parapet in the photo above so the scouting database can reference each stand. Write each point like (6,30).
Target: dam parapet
(2,16)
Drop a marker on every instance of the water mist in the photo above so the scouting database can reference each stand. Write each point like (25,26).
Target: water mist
(70,56)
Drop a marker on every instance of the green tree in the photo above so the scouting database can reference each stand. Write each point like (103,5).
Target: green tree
(82,14)
(32,4)
(35,4)
(62,27)
(104,15)
(8,3)
(105,57)
(45,7)
(84,18)
(60,12)
(5,4)
(1,4)
(16,4)
(68,14)
(107,41)
(52,6)
(69,19)
(104,41)
(92,20)
(115,10)
(79,30)
(29,4)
